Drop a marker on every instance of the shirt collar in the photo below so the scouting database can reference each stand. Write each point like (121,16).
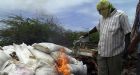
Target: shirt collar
(112,13)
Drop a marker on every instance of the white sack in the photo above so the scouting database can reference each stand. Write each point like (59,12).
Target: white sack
(23,53)
(11,68)
(56,55)
(8,50)
(72,60)
(78,69)
(3,58)
(46,70)
(50,47)
(42,56)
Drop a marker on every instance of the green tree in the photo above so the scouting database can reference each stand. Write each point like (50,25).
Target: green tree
(27,30)
(33,30)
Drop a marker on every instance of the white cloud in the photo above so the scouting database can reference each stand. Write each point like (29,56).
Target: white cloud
(121,1)
(77,28)
(92,12)
(56,6)
(26,5)
(61,7)
(44,6)
(131,14)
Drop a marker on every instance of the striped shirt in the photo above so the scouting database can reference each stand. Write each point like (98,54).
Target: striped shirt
(112,32)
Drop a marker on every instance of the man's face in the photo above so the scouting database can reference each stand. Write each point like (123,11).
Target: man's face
(104,12)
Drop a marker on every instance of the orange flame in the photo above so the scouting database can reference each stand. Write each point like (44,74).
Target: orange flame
(63,63)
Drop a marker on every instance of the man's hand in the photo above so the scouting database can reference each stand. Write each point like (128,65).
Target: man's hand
(134,42)
(84,39)
(94,53)
(131,49)
(81,37)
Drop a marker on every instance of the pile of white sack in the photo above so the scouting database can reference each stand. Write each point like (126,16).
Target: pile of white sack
(36,59)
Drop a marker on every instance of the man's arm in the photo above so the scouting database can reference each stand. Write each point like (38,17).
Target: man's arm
(134,43)
(91,31)
(135,37)
(127,42)
(126,28)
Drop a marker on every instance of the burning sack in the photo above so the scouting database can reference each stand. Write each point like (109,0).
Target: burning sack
(40,59)
(68,65)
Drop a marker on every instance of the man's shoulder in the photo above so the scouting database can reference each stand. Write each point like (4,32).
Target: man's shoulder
(120,12)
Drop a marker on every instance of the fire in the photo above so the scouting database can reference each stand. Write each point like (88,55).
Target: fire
(63,63)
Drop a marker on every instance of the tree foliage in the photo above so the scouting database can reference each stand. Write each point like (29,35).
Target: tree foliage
(33,30)
(29,30)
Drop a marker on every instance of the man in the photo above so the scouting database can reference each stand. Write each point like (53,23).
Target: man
(113,28)
(135,40)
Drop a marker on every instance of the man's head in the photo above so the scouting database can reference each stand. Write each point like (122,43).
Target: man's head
(104,7)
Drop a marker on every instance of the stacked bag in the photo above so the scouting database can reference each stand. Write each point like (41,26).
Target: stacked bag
(37,59)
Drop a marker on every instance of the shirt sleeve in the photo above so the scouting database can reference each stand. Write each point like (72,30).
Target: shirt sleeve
(126,28)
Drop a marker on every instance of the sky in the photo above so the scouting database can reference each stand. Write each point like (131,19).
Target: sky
(76,15)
